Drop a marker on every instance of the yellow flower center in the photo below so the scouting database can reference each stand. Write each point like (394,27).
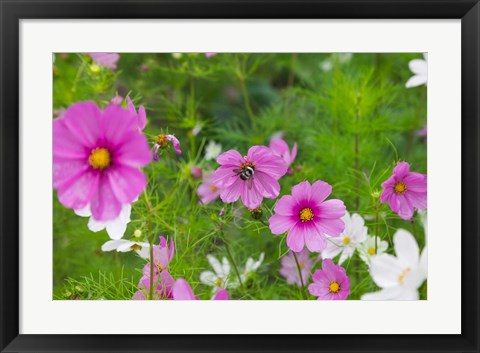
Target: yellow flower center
(213,188)
(334,287)
(371,251)
(400,187)
(401,278)
(136,247)
(100,158)
(247,165)
(306,215)
(346,240)
(218,282)
(161,139)
(160,268)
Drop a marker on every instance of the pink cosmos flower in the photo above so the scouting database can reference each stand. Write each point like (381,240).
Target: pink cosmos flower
(141,115)
(405,191)
(330,283)
(162,280)
(307,217)
(183,291)
(96,159)
(162,256)
(252,177)
(208,191)
(289,268)
(209,55)
(281,149)
(108,60)
(163,285)
(161,141)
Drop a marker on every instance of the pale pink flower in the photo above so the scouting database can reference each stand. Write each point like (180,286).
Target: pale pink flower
(281,149)
(141,115)
(108,60)
(208,191)
(289,268)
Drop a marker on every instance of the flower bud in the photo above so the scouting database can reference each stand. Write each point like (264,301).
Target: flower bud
(256,213)
(196,172)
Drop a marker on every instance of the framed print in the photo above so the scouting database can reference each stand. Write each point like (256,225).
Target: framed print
(236,176)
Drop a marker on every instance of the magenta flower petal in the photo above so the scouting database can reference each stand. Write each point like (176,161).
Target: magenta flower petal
(285,206)
(134,152)
(281,149)
(302,192)
(233,192)
(175,143)
(332,209)
(104,204)
(321,190)
(253,197)
(141,115)
(252,177)
(222,294)
(331,226)
(127,183)
(78,190)
(65,170)
(83,120)
(307,217)
(296,238)
(230,158)
(117,123)
(280,224)
(315,242)
(279,146)
(182,291)
(270,186)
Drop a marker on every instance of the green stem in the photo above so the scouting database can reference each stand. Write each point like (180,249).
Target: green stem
(246,99)
(227,247)
(150,241)
(376,225)
(300,274)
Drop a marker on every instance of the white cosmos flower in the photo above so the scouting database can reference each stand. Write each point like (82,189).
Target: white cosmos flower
(355,233)
(366,250)
(399,276)
(122,245)
(212,150)
(115,228)
(344,58)
(420,69)
(326,65)
(252,266)
(220,278)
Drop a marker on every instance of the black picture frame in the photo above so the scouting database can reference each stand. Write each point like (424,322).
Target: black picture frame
(12,11)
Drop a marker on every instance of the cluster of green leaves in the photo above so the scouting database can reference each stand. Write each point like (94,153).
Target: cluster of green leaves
(352,123)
